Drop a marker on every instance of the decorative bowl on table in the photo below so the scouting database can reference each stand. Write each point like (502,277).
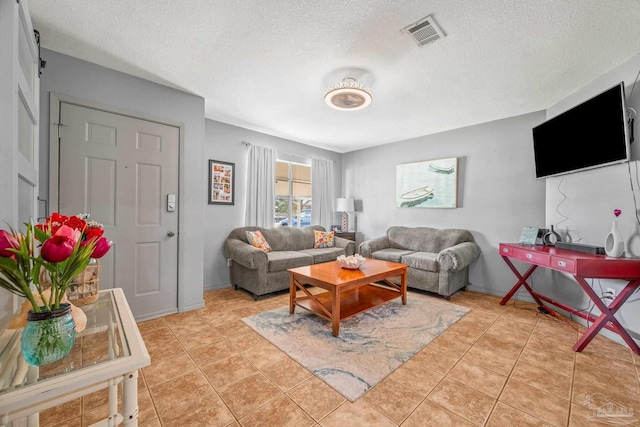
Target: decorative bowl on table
(351,262)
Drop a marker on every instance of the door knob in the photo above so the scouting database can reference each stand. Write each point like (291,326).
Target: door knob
(171,234)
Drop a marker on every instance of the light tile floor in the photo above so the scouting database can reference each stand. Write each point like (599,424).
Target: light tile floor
(497,366)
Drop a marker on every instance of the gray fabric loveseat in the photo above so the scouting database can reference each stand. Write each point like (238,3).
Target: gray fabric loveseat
(260,272)
(438,260)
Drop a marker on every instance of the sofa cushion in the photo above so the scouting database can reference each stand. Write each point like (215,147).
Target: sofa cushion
(324,254)
(422,260)
(323,239)
(282,260)
(390,254)
(257,239)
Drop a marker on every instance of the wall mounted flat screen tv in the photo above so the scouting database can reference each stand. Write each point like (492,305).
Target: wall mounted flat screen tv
(589,135)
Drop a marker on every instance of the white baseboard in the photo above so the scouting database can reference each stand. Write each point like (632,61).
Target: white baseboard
(214,287)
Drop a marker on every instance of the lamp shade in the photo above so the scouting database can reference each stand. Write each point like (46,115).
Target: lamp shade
(345,204)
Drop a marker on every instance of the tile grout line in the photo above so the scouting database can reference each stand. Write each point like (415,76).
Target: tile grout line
(198,368)
(236,419)
(153,402)
(225,338)
(573,378)
(454,365)
(185,350)
(439,381)
(538,322)
(493,408)
(259,371)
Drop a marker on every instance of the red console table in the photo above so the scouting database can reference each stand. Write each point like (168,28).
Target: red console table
(581,266)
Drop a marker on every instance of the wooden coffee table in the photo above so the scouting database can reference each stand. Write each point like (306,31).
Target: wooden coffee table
(349,291)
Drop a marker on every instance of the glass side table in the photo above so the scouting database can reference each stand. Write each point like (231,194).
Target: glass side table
(107,354)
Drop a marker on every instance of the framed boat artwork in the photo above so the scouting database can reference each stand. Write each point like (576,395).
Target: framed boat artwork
(427,184)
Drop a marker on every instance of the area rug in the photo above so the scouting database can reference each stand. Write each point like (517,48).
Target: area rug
(370,346)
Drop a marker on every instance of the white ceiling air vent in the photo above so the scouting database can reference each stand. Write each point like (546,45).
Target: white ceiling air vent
(424,31)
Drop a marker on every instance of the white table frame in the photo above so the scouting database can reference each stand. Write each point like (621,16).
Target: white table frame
(28,400)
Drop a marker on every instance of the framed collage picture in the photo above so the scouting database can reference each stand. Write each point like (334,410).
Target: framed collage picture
(221,182)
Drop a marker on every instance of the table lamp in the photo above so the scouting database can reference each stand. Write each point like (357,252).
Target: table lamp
(345,205)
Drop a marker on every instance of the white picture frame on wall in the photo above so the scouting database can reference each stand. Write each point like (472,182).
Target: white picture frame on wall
(427,184)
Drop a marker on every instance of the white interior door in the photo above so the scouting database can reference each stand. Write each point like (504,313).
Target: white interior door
(122,171)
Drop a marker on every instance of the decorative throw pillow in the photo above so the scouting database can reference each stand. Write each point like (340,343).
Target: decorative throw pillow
(257,239)
(323,239)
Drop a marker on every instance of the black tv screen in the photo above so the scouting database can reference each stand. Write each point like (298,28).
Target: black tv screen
(589,135)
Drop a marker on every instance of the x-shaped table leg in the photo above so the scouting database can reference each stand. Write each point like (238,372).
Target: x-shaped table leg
(522,281)
(607,315)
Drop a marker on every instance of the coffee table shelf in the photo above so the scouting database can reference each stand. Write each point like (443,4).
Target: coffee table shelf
(352,302)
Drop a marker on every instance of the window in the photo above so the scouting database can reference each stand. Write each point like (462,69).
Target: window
(293,194)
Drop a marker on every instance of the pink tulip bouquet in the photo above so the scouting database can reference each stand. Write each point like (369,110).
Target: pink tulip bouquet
(66,246)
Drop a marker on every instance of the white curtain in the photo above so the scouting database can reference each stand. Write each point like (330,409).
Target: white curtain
(322,194)
(261,187)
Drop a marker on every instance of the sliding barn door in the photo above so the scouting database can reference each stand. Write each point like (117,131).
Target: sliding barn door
(19,117)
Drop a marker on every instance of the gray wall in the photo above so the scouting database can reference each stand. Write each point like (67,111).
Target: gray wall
(224,143)
(65,75)
(497,190)
(581,205)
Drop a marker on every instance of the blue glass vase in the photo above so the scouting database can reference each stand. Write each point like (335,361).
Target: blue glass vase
(48,336)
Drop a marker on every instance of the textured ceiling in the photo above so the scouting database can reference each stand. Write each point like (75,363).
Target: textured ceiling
(265,65)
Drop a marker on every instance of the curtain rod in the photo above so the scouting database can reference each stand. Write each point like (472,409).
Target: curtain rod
(248,144)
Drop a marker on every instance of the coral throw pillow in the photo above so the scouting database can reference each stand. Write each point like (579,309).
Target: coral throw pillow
(323,239)
(257,239)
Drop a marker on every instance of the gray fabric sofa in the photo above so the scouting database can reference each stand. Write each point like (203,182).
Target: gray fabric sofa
(438,260)
(260,272)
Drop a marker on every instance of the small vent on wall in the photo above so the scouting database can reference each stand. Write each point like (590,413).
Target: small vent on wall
(424,31)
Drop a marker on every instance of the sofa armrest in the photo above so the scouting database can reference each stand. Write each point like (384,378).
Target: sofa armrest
(348,245)
(246,254)
(458,257)
(370,246)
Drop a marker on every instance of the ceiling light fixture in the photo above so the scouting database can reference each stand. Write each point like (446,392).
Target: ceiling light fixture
(348,95)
